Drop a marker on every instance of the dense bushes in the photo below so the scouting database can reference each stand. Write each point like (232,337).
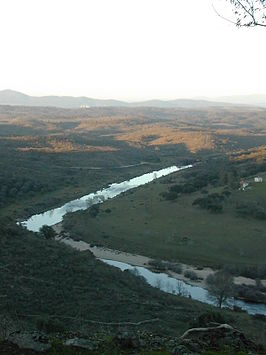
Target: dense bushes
(12,187)
(159,265)
(250,293)
(212,202)
(253,169)
(253,272)
(47,232)
(220,174)
(251,209)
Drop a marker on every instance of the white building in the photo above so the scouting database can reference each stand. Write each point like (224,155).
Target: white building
(243,185)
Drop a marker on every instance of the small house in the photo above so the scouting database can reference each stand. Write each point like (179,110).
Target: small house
(258,179)
(243,185)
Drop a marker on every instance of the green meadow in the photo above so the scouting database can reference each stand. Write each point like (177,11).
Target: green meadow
(142,221)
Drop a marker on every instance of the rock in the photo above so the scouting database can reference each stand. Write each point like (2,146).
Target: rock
(30,340)
(81,343)
(217,338)
(8,348)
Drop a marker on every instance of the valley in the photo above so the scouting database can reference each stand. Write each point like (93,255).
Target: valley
(198,217)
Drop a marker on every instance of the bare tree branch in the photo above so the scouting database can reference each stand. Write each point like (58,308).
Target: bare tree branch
(246,13)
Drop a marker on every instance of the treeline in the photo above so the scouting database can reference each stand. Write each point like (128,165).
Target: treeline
(213,174)
(12,187)
(194,184)
(252,293)
(217,174)
(15,186)
(252,169)
(253,272)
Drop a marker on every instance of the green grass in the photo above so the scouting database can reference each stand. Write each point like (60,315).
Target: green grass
(141,221)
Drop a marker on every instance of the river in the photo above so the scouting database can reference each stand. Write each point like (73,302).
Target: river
(162,281)
(56,215)
(171,285)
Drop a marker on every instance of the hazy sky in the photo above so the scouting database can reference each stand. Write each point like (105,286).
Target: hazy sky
(127,49)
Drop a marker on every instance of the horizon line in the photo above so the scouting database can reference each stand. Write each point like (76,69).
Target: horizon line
(194,97)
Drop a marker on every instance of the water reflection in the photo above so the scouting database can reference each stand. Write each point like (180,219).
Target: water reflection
(171,285)
(56,215)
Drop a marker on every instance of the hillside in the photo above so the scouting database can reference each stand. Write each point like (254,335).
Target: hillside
(62,293)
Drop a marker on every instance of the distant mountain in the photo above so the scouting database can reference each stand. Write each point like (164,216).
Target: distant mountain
(178,103)
(10,97)
(251,100)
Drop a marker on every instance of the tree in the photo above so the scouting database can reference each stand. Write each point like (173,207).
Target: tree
(247,13)
(94,210)
(47,232)
(220,286)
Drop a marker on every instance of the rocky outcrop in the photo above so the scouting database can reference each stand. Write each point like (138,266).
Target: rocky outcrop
(194,341)
(35,341)
(82,343)
(219,337)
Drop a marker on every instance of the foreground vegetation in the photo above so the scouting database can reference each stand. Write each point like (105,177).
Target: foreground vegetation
(51,287)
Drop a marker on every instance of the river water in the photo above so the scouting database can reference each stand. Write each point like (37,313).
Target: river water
(56,215)
(171,285)
(162,281)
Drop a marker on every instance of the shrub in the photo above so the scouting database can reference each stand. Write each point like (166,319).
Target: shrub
(191,275)
(47,232)
(94,210)
(207,318)
(175,267)
(211,202)
(170,196)
(158,265)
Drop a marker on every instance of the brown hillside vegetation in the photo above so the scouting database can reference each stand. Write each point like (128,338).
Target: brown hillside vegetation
(219,129)
(258,154)
(157,135)
(51,144)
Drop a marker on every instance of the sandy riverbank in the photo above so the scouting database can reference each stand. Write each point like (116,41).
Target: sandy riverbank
(141,260)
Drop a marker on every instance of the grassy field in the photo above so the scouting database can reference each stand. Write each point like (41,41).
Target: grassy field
(141,221)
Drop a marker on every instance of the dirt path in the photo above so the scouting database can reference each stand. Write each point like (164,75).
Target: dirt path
(103,168)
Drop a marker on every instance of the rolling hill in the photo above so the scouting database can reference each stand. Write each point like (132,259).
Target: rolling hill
(11,97)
